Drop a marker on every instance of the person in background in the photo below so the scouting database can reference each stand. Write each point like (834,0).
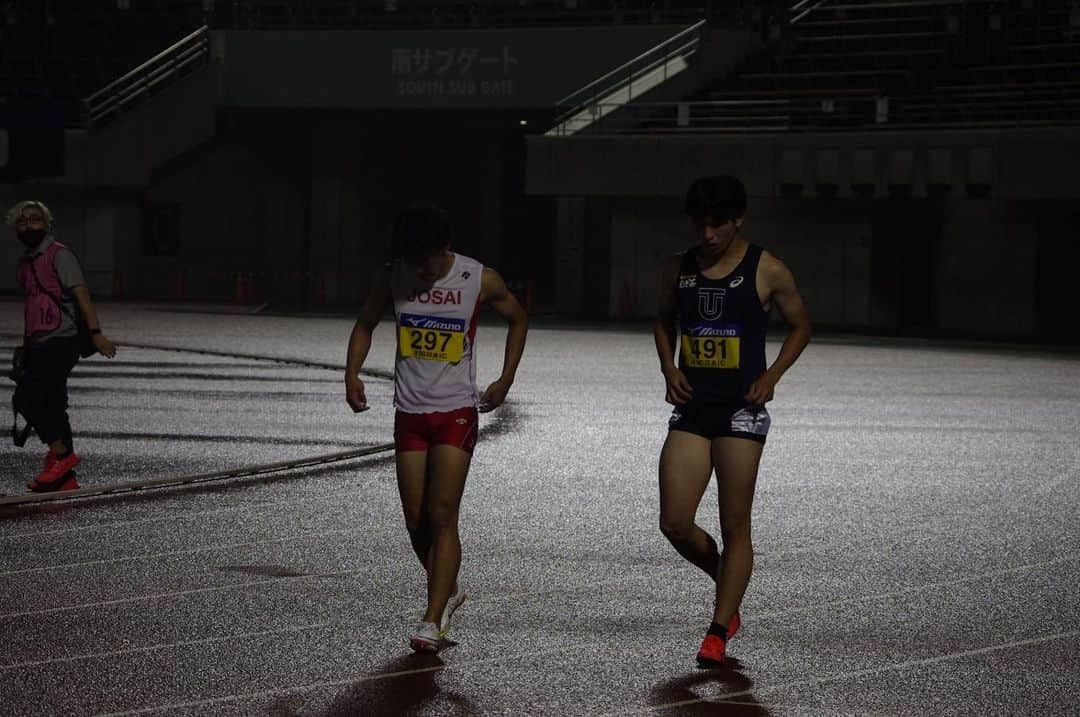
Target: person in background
(56,300)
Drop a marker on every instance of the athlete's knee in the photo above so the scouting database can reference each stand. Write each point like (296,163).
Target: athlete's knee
(414,521)
(736,532)
(442,518)
(418,531)
(676,530)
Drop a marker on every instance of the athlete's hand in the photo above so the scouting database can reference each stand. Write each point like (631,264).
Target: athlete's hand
(679,390)
(354,394)
(494,396)
(103,345)
(761,390)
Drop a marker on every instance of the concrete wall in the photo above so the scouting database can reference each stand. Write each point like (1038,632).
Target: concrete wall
(303,204)
(92,228)
(366,168)
(988,271)
(243,209)
(1034,163)
(495,67)
(939,232)
(830,254)
(956,267)
(125,151)
(97,202)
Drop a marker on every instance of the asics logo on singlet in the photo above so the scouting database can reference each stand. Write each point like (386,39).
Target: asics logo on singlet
(687,282)
(735,282)
(431,322)
(710,302)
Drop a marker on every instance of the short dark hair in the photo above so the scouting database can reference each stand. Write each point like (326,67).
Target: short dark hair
(718,198)
(419,231)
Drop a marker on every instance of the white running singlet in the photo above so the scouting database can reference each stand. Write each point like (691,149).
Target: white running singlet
(436,327)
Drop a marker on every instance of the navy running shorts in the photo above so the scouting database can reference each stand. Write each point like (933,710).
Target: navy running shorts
(721,420)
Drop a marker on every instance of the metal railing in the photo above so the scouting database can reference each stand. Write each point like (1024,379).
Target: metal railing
(607,91)
(415,14)
(803,8)
(190,52)
(854,111)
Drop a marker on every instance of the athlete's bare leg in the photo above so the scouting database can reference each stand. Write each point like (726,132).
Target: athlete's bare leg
(736,462)
(685,468)
(430,484)
(412,485)
(447,469)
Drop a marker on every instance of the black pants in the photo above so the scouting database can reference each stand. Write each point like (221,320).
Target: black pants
(41,396)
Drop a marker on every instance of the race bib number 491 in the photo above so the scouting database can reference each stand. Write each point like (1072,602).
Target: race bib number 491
(711,346)
(431,338)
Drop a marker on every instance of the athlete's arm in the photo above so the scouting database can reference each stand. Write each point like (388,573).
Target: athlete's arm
(360,339)
(779,286)
(89,314)
(665,334)
(493,291)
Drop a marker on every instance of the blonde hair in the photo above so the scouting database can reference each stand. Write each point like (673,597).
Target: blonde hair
(16,211)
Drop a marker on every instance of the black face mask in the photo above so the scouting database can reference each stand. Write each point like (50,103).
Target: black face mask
(32,237)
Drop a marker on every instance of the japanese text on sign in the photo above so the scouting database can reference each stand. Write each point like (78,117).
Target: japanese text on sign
(460,61)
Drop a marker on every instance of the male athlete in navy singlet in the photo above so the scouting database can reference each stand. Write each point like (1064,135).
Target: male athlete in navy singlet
(715,301)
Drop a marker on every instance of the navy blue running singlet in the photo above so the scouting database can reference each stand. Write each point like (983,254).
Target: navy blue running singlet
(722,329)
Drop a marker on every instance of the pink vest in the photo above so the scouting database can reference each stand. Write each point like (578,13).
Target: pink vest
(41,314)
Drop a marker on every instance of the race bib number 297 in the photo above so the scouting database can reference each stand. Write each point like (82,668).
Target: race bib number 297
(431,338)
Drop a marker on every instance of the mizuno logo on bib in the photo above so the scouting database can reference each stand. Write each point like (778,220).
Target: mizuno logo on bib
(431,338)
(711,345)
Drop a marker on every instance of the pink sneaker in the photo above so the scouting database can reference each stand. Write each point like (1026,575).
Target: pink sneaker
(56,477)
(733,625)
(712,651)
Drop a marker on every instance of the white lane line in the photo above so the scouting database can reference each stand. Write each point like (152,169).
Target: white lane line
(290,629)
(174,553)
(267,504)
(296,578)
(305,363)
(342,683)
(172,594)
(180,515)
(750,619)
(138,521)
(854,674)
(160,646)
(345,573)
(1069,475)
(922,587)
(718,699)
(230,474)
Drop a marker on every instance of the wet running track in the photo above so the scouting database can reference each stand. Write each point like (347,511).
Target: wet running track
(918,548)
